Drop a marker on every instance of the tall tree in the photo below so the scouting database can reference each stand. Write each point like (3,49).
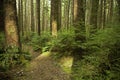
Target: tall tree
(79,18)
(11,26)
(94,10)
(79,25)
(20,15)
(55,16)
(43,15)
(110,11)
(66,13)
(118,1)
(1,16)
(87,17)
(38,15)
(101,20)
(47,16)
(32,16)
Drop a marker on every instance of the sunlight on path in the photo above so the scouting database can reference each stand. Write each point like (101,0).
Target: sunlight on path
(66,64)
(43,55)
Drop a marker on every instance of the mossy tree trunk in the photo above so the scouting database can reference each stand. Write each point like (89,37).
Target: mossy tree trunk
(55,16)
(11,24)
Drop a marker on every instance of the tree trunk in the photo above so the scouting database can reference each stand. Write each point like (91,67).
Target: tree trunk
(47,16)
(55,16)
(11,24)
(79,18)
(101,20)
(68,14)
(118,1)
(93,19)
(79,24)
(87,17)
(79,13)
(43,16)
(21,14)
(32,17)
(38,16)
(1,17)
(110,12)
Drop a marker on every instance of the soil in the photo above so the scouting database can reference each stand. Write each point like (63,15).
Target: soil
(42,67)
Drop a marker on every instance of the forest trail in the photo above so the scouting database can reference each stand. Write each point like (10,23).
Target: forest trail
(43,67)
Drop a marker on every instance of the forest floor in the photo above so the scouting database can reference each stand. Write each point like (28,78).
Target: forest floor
(42,67)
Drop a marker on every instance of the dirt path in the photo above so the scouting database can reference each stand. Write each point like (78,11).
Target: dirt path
(43,67)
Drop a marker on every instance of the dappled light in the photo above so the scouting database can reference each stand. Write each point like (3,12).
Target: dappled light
(66,63)
(54,28)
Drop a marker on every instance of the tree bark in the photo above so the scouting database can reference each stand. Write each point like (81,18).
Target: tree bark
(43,16)
(55,16)
(87,17)
(38,16)
(32,17)
(1,16)
(94,11)
(11,24)
(79,19)
(118,1)
(79,13)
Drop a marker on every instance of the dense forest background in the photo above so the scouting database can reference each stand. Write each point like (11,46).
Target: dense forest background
(59,39)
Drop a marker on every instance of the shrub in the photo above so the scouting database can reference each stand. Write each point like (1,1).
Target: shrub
(64,43)
(101,61)
(40,42)
(11,58)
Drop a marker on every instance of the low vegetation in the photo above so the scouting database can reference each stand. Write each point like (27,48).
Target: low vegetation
(100,59)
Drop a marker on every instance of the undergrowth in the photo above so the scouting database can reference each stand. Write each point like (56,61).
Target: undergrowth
(101,59)
(10,57)
(63,43)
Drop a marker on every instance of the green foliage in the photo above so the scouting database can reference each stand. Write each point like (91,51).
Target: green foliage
(11,58)
(101,61)
(64,42)
(39,42)
(2,41)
